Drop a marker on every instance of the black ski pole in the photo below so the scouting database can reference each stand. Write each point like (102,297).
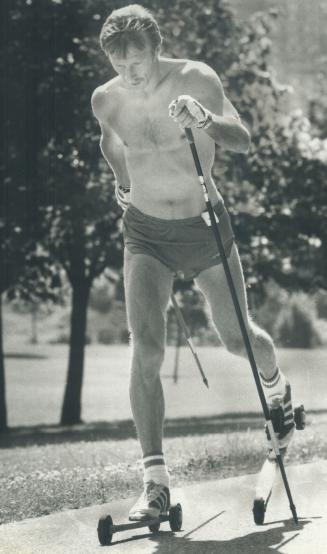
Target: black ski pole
(188,337)
(221,250)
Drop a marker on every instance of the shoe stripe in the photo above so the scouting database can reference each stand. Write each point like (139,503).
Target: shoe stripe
(164,497)
(155,504)
(160,501)
(285,431)
(287,397)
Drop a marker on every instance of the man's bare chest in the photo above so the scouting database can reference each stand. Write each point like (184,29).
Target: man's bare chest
(145,123)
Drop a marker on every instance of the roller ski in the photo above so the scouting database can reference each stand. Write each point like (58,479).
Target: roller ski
(152,509)
(284,421)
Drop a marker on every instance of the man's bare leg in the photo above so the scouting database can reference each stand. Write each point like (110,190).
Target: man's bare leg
(148,285)
(213,284)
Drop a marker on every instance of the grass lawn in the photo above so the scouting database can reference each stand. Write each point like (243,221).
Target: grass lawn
(35,386)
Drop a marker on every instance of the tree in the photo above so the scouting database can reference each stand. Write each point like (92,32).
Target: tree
(83,223)
(15,242)
(53,150)
(3,404)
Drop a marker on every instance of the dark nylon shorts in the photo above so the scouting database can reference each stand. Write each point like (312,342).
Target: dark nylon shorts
(186,246)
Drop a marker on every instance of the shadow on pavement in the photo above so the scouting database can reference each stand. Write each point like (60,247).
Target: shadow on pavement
(261,542)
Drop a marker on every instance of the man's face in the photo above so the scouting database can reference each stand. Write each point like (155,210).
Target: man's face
(136,68)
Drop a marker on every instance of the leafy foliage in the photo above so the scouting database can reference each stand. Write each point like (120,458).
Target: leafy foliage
(55,47)
(296,325)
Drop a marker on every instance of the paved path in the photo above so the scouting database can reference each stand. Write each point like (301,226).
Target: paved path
(217,520)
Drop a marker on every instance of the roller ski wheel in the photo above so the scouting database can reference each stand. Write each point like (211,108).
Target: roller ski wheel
(105,525)
(259,510)
(176,517)
(299,417)
(154,527)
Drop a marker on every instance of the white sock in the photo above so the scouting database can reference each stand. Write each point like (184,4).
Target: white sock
(275,386)
(155,469)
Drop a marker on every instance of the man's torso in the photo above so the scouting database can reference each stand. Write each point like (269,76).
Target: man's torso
(163,178)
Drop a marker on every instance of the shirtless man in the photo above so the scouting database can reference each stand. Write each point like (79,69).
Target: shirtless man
(142,113)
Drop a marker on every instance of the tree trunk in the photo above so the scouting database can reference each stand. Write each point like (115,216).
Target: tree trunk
(3,407)
(34,337)
(71,409)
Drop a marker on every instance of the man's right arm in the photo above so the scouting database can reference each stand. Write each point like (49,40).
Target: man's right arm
(111,146)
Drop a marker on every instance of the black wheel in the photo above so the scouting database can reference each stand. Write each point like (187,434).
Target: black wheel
(259,510)
(154,528)
(104,530)
(299,417)
(176,517)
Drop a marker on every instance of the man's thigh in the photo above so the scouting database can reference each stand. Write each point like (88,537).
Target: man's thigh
(148,284)
(213,284)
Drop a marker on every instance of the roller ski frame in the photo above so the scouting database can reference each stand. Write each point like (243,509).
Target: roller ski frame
(106,527)
(269,473)
(238,311)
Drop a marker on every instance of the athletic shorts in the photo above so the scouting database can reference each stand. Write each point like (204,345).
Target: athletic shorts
(186,246)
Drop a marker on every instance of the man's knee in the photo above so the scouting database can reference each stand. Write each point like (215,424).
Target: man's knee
(148,355)
(233,339)
(233,342)
(258,338)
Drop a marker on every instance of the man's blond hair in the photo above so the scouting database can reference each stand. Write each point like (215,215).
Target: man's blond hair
(132,25)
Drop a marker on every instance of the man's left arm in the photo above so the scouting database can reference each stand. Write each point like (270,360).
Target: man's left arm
(212,111)
(227,129)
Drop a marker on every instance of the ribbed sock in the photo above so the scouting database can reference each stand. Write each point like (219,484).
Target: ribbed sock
(155,469)
(275,386)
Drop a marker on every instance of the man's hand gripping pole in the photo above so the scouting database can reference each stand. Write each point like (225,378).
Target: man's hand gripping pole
(221,250)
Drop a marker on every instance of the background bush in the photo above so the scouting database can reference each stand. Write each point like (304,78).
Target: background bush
(296,326)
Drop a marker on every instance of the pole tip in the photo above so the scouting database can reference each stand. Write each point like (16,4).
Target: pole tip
(295,518)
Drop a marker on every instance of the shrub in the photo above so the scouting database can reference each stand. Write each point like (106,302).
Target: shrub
(125,336)
(321,304)
(296,324)
(106,336)
(64,338)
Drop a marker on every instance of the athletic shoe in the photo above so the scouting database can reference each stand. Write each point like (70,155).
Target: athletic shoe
(154,501)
